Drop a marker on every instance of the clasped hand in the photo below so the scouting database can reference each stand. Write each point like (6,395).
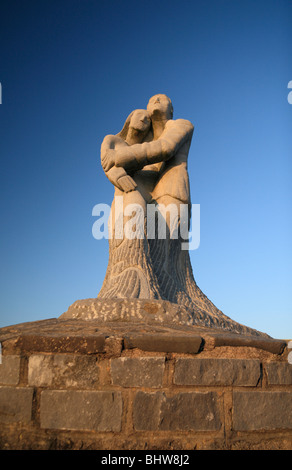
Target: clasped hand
(108,159)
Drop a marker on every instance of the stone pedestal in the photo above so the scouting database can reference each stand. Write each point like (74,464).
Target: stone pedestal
(75,384)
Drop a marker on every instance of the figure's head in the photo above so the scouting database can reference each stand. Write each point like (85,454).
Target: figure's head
(140,120)
(160,106)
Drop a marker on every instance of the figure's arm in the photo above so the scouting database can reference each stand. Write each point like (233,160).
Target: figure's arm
(135,157)
(107,151)
(117,176)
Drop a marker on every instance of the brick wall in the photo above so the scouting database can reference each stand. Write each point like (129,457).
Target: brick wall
(121,396)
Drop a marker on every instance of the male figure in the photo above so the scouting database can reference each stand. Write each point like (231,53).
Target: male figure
(173,183)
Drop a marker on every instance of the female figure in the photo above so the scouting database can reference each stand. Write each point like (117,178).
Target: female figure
(129,273)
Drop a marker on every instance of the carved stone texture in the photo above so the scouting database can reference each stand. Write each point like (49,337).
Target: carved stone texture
(159,312)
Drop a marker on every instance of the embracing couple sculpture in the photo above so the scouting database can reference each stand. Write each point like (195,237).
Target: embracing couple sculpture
(147,163)
(151,275)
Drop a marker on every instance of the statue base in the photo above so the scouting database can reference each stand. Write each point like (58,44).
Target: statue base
(88,384)
(159,312)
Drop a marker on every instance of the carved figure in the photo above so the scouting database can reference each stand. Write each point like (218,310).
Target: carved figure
(149,277)
(147,163)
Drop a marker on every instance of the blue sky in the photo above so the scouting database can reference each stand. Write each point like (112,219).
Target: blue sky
(71,72)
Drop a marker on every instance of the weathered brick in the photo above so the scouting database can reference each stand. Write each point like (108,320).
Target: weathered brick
(146,411)
(275,346)
(279,373)
(211,371)
(53,343)
(81,410)
(164,343)
(15,404)
(138,371)
(63,370)
(265,410)
(10,370)
(190,411)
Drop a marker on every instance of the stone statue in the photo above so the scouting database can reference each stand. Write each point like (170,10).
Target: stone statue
(149,277)
(147,163)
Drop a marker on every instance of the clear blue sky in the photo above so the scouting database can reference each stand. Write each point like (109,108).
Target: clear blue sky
(71,71)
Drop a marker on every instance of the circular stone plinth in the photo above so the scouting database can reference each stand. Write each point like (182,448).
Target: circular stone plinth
(153,312)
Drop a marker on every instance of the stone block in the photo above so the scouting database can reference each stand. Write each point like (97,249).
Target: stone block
(164,343)
(53,343)
(265,410)
(279,373)
(10,370)
(211,371)
(274,346)
(15,404)
(81,410)
(187,411)
(63,370)
(138,371)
